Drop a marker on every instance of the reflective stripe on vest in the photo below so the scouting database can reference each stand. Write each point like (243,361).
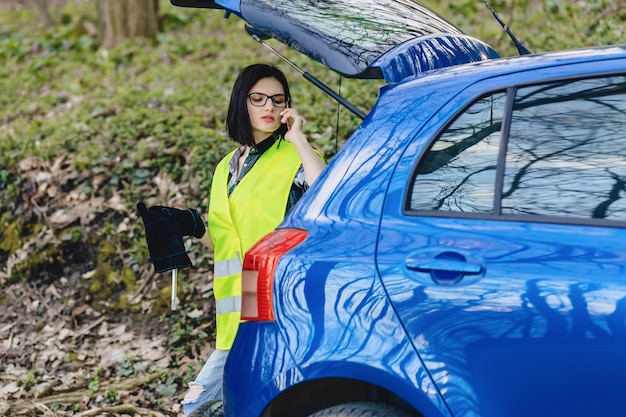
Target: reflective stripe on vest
(230,266)
(228,305)
(237,222)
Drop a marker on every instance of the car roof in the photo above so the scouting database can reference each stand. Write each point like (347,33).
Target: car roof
(440,85)
(375,39)
(466,74)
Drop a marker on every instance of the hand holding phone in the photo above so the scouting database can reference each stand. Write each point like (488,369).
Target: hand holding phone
(288,122)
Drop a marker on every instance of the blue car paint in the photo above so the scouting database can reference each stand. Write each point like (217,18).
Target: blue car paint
(426,53)
(354,325)
(268,360)
(480,349)
(495,351)
(482,342)
(232,6)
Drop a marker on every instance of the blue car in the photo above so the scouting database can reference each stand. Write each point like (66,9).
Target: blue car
(464,253)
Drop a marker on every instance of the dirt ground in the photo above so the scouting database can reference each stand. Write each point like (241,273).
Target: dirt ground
(68,359)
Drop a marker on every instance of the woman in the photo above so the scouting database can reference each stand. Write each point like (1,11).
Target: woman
(253,188)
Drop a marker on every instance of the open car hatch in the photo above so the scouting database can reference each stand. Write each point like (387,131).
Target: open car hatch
(375,39)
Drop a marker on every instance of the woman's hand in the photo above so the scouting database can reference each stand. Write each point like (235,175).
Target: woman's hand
(312,163)
(294,122)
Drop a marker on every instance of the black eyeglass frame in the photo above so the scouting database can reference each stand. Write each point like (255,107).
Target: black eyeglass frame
(273,98)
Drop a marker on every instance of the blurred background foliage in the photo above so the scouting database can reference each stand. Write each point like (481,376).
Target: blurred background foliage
(87,132)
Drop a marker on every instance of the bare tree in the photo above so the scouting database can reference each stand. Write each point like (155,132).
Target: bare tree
(119,20)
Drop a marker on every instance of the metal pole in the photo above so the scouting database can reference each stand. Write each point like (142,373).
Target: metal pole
(174,276)
(314,80)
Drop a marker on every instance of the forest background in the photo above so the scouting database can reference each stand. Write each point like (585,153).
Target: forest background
(88,130)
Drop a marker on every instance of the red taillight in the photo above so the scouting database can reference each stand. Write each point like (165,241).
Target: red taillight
(257,277)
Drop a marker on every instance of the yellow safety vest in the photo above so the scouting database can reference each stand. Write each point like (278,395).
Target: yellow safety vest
(253,210)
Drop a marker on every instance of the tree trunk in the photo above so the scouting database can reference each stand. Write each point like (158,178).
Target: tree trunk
(119,20)
(45,14)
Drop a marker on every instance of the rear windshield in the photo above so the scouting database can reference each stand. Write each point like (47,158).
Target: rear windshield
(361,29)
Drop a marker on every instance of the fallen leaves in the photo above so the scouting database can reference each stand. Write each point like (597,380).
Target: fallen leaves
(65,358)
(44,404)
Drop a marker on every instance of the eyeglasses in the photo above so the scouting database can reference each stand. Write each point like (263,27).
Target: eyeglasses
(260,99)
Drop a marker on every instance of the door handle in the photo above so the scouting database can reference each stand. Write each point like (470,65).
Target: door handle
(445,266)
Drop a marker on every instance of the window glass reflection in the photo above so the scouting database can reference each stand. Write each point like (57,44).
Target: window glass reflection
(458,173)
(371,24)
(567,150)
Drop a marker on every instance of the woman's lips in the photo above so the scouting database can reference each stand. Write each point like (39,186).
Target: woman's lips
(269,119)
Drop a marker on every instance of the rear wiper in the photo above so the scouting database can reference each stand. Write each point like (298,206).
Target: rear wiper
(257,36)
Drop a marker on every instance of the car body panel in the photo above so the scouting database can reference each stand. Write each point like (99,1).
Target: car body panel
(505,344)
(361,39)
(541,331)
(344,315)
(268,360)
(426,53)
(471,349)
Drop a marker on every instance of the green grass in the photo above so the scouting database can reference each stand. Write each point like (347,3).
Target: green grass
(86,133)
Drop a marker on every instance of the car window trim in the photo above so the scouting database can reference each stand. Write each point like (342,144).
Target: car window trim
(520,218)
(507,118)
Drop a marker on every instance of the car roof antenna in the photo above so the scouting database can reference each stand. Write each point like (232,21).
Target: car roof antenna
(341,100)
(521,48)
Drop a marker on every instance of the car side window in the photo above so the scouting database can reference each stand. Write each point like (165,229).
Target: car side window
(566,152)
(458,173)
